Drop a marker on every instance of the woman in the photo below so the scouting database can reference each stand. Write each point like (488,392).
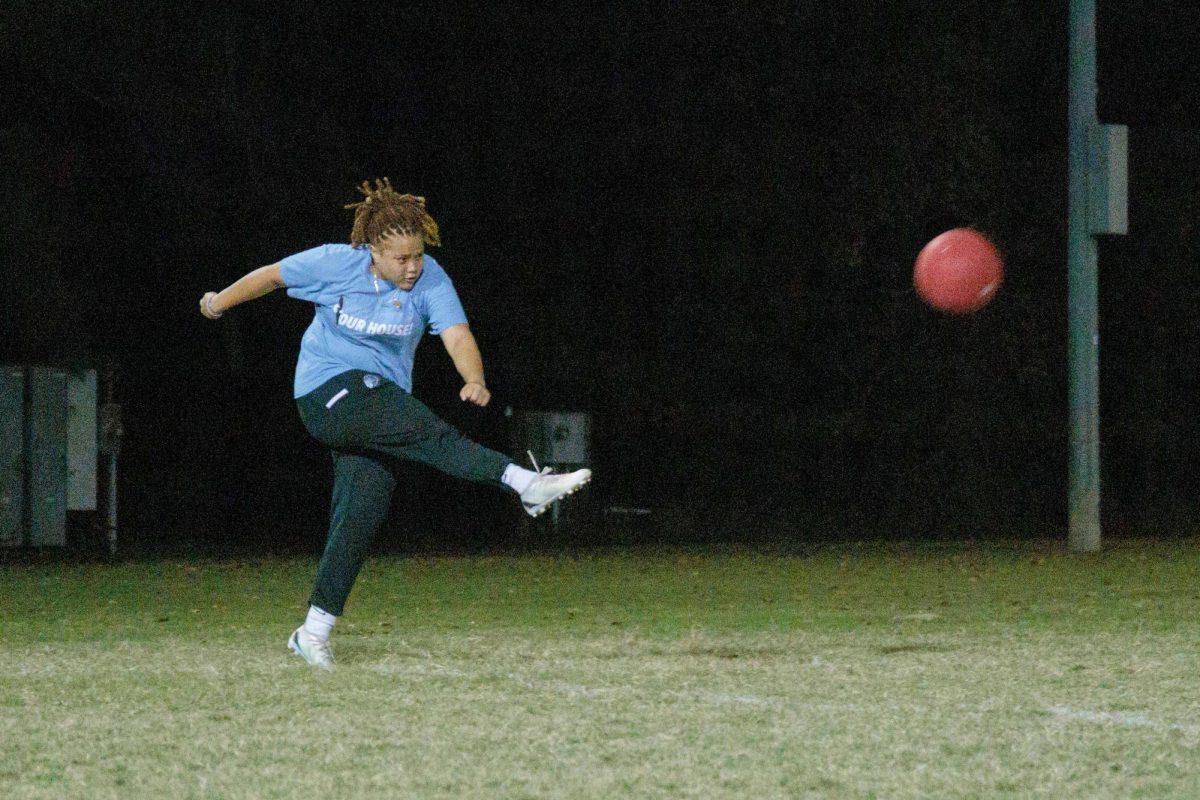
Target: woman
(374,299)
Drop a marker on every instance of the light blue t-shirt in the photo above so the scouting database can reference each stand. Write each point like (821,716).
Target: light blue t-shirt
(364,323)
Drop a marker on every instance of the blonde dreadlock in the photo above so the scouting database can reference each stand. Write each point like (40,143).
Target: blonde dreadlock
(385,212)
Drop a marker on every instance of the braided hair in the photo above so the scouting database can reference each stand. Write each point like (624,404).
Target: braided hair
(385,212)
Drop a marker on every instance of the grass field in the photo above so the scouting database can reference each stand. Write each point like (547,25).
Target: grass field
(868,671)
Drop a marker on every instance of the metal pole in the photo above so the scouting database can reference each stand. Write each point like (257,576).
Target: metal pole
(112,504)
(1084,337)
(110,433)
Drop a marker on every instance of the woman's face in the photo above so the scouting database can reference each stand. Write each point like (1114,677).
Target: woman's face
(399,258)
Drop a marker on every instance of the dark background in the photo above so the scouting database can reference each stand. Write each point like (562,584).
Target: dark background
(694,221)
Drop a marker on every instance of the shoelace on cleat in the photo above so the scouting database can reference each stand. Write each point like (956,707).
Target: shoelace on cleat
(542,470)
(317,647)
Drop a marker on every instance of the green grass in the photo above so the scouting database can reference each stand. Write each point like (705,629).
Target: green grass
(848,672)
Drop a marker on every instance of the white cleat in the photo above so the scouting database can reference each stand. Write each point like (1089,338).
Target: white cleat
(548,487)
(316,652)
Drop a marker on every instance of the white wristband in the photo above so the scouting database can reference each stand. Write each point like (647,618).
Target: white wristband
(208,305)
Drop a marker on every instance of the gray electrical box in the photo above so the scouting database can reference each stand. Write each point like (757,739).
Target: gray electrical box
(560,438)
(48,452)
(12,456)
(46,456)
(1108,179)
(81,441)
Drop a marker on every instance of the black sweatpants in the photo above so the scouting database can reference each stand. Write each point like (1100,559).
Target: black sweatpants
(371,425)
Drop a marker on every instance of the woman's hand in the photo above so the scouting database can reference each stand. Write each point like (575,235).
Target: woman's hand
(475,393)
(250,286)
(206,306)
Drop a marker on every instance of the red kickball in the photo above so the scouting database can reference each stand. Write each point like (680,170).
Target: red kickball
(958,271)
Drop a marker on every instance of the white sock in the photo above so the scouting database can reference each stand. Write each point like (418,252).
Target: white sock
(319,623)
(518,478)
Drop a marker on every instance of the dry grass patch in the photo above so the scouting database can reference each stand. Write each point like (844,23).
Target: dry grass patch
(724,675)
